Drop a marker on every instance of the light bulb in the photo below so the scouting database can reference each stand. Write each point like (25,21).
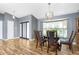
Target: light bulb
(13,17)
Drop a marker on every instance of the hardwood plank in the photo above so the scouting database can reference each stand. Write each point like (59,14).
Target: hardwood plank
(26,47)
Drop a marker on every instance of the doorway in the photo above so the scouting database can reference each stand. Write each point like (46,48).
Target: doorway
(24,30)
(10,29)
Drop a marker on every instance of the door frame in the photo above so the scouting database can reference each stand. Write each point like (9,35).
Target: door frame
(22,30)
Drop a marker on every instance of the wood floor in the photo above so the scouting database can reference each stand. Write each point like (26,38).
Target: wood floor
(25,47)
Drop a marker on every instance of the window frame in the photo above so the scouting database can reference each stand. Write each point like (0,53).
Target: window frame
(58,28)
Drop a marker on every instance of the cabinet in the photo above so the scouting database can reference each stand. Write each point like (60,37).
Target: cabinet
(77,30)
(77,24)
(77,40)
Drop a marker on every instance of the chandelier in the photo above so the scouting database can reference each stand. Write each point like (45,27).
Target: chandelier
(49,15)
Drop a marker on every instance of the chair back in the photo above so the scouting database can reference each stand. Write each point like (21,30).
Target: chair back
(35,34)
(73,37)
(51,35)
(38,35)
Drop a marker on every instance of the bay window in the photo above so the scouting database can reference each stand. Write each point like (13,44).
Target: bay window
(60,26)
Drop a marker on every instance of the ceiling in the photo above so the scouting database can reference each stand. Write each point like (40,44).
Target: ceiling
(38,9)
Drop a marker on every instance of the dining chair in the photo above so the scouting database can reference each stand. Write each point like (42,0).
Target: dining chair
(70,41)
(39,39)
(52,41)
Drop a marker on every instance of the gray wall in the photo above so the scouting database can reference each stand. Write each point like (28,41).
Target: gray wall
(33,24)
(5,17)
(16,28)
(71,21)
(38,25)
(2,19)
(24,19)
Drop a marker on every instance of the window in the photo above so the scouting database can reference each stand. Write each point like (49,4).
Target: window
(21,30)
(28,30)
(1,24)
(10,29)
(60,26)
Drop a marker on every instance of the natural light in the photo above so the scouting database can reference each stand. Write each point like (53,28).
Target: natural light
(60,26)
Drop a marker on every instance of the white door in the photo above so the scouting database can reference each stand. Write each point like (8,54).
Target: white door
(10,29)
(25,30)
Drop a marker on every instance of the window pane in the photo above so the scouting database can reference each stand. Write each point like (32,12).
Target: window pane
(1,29)
(20,30)
(28,30)
(24,30)
(60,26)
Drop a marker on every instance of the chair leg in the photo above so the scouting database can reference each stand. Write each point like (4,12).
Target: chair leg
(60,47)
(48,49)
(36,44)
(71,48)
(56,47)
(43,43)
(56,52)
(41,47)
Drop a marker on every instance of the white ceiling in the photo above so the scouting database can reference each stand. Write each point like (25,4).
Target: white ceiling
(38,9)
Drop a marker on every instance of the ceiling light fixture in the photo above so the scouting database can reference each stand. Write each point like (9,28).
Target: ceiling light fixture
(49,15)
(13,14)
(13,17)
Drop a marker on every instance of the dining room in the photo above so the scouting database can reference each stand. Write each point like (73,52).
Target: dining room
(27,30)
